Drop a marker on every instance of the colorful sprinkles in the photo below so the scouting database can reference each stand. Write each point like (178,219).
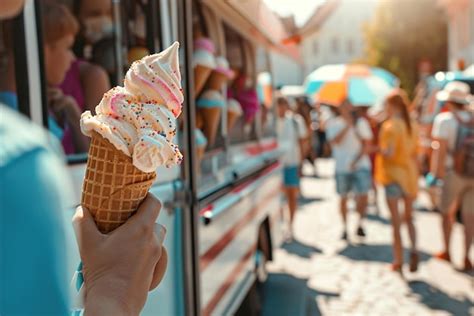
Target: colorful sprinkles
(121,108)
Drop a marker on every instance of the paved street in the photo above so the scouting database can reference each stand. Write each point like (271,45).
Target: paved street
(318,274)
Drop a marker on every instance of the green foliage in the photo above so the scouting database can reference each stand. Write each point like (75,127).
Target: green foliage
(403,32)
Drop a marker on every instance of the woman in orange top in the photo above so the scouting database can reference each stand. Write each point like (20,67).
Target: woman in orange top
(396,169)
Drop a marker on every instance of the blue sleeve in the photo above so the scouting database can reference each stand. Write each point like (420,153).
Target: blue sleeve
(33,258)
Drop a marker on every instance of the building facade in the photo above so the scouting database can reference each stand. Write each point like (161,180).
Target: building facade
(460,14)
(334,34)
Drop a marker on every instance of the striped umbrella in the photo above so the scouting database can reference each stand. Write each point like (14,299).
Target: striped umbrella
(360,84)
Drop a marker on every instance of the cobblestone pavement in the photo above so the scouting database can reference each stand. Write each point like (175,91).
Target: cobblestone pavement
(318,274)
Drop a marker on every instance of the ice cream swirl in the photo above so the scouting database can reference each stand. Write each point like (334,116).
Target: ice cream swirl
(140,119)
(156,78)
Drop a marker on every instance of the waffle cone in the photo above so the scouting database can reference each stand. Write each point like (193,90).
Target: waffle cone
(232,118)
(211,118)
(216,80)
(201,74)
(113,187)
(200,150)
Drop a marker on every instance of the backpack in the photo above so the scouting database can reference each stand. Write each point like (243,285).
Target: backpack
(464,148)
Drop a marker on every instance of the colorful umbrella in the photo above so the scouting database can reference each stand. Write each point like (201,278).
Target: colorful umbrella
(360,84)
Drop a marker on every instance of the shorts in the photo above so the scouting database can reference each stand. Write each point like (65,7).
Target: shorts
(394,191)
(456,186)
(359,182)
(291,177)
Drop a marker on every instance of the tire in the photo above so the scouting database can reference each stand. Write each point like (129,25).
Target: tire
(253,302)
(261,266)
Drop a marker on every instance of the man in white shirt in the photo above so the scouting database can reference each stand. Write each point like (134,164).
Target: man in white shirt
(291,132)
(454,187)
(349,140)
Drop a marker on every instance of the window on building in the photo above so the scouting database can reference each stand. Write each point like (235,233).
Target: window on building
(350,46)
(335,45)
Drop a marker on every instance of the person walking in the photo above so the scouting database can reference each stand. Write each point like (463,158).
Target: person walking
(451,133)
(349,140)
(291,133)
(397,170)
(363,111)
(304,109)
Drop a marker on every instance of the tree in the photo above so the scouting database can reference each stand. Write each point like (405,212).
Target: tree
(404,32)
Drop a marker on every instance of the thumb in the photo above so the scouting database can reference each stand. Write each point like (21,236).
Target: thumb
(84,227)
(160,269)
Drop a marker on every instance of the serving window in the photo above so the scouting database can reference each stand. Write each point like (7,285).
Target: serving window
(8,89)
(88,46)
(233,97)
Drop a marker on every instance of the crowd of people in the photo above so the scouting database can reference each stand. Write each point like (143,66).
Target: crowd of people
(381,151)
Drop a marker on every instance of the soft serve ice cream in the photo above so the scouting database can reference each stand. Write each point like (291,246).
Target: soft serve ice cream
(203,54)
(140,118)
(204,62)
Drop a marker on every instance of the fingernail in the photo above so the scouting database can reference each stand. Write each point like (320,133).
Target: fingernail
(160,231)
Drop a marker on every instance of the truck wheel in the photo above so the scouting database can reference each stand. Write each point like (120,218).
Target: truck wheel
(261,266)
(252,304)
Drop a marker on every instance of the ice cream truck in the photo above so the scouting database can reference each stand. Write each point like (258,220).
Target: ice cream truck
(222,206)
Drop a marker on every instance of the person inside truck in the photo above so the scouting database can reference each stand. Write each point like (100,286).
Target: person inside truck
(457,187)
(119,268)
(95,40)
(59,30)
(86,82)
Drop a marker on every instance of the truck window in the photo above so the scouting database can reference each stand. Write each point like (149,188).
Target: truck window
(88,46)
(244,86)
(8,94)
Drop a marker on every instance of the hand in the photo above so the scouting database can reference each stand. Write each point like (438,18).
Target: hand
(353,166)
(120,268)
(63,107)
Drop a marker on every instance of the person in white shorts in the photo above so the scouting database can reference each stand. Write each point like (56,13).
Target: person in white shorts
(456,190)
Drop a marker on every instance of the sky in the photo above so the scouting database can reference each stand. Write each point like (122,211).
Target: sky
(302,9)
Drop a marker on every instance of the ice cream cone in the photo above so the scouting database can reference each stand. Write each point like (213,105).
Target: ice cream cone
(216,80)
(113,187)
(232,118)
(211,118)
(201,74)
(200,154)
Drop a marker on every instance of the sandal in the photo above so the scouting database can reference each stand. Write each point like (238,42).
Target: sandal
(443,256)
(396,267)
(414,260)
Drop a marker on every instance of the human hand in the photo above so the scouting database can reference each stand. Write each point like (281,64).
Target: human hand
(63,107)
(353,166)
(120,268)
(346,114)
